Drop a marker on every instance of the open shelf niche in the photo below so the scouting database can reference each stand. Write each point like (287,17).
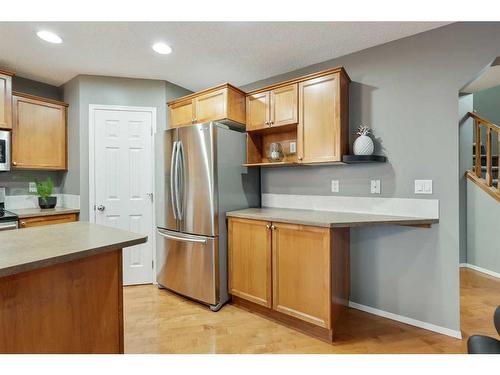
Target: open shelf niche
(259,143)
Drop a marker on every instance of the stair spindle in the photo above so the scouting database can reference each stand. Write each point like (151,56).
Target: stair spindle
(478,148)
(489,176)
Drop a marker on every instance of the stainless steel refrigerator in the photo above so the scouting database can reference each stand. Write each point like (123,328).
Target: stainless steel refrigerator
(204,178)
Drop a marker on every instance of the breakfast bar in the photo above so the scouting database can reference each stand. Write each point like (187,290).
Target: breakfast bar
(61,288)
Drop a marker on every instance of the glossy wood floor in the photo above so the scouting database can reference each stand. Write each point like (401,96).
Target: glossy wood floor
(157,321)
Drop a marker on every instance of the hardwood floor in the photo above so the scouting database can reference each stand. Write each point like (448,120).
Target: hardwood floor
(157,321)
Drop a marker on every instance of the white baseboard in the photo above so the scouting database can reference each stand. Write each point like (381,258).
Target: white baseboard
(406,320)
(480,269)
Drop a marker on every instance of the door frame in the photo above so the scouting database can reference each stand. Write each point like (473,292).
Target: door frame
(92,109)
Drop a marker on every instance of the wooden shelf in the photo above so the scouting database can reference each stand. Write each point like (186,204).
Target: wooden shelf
(271,164)
(353,159)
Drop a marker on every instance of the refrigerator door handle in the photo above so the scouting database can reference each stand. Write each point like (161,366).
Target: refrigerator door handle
(173,179)
(181,238)
(179,192)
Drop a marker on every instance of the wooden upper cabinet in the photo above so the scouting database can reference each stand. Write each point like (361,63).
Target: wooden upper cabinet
(301,272)
(181,113)
(211,106)
(39,133)
(258,111)
(5,100)
(250,260)
(323,126)
(272,108)
(283,109)
(224,103)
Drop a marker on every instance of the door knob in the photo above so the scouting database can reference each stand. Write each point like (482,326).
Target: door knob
(101,208)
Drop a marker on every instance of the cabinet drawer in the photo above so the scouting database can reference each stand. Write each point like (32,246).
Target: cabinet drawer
(47,220)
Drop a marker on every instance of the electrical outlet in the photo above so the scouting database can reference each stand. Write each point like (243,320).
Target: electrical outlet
(423,186)
(375,187)
(32,187)
(293,147)
(335,186)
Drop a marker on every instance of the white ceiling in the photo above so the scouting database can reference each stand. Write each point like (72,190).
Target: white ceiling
(490,78)
(204,53)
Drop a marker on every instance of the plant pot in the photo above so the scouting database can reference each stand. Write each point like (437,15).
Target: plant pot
(49,202)
(363,145)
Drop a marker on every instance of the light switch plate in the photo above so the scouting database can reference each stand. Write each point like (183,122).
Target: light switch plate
(293,147)
(32,187)
(375,187)
(423,186)
(335,186)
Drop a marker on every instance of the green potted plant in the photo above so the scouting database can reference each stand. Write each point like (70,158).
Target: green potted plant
(44,191)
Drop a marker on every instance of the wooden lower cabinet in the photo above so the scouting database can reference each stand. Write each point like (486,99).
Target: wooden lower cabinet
(301,272)
(47,220)
(250,260)
(304,283)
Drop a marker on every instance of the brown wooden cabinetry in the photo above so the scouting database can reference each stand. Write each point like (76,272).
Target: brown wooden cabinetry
(47,220)
(308,270)
(224,103)
(38,133)
(308,116)
(250,265)
(5,100)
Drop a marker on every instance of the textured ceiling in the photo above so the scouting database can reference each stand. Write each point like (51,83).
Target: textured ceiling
(204,53)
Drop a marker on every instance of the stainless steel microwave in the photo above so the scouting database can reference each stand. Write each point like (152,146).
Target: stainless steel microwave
(4,150)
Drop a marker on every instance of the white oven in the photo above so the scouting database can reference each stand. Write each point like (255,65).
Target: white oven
(4,150)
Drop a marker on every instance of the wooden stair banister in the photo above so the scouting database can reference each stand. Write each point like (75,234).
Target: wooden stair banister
(475,175)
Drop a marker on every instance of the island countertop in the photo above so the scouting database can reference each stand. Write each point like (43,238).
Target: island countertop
(32,248)
(329,219)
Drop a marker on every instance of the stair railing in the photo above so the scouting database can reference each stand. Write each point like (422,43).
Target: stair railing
(476,175)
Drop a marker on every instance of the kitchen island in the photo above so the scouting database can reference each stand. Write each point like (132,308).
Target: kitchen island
(61,288)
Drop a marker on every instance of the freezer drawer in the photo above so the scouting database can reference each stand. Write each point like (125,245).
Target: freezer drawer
(188,265)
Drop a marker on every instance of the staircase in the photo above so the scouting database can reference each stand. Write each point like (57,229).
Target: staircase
(494,165)
(485,165)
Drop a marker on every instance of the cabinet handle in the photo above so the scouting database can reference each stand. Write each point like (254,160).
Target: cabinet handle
(268,226)
(300,158)
(14,163)
(23,223)
(273,227)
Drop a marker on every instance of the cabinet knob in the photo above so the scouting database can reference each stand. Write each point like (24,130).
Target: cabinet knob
(14,163)
(300,157)
(268,226)
(23,223)
(273,227)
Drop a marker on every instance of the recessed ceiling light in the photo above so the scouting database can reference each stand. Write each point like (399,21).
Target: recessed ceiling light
(49,37)
(162,48)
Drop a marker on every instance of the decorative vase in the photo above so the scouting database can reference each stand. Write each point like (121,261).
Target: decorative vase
(363,145)
(49,202)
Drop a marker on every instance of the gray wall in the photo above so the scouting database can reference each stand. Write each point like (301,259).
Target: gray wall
(407,92)
(482,229)
(16,182)
(84,90)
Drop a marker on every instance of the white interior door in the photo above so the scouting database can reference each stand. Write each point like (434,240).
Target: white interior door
(124,183)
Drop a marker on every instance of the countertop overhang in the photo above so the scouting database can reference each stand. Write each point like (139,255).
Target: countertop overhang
(32,248)
(329,219)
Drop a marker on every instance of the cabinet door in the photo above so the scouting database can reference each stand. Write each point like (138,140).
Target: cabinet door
(5,101)
(301,272)
(181,114)
(319,128)
(250,260)
(38,134)
(284,110)
(211,106)
(46,220)
(258,111)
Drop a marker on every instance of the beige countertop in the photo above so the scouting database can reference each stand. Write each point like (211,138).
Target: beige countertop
(34,212)
(31,248)
(329,219)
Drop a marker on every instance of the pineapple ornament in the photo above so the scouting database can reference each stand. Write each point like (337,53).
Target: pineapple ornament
(363,145)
